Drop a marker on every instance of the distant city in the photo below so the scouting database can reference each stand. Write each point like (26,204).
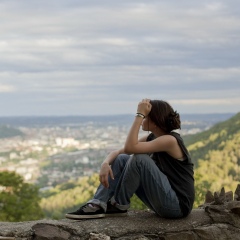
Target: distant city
(53,150)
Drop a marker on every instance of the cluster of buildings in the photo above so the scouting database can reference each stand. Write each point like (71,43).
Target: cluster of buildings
(51,155)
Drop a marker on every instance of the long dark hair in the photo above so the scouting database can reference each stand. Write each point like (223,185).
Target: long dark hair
(163,115)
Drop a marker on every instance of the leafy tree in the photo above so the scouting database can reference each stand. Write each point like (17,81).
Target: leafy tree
(19,201)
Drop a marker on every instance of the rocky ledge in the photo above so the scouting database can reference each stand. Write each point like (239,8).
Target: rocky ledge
(218,218)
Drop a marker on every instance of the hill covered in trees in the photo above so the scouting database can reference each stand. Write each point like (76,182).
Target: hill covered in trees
(216,154)
(214,138)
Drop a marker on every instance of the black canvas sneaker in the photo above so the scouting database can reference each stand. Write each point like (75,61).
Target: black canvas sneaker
(87,211)
(112,211)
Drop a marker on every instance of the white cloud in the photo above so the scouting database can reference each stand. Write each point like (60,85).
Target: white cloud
(6,88)
(207,102)
(108,53)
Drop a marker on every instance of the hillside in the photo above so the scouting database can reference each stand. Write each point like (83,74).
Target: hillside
(6,132)
(216,155)
(215,138)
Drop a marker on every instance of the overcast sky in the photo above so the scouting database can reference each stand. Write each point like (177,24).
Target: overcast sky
(73,57)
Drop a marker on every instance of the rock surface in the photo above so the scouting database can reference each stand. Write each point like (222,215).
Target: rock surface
(218,219)
(216,222)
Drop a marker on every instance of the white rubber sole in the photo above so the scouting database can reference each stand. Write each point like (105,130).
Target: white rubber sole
(72,216)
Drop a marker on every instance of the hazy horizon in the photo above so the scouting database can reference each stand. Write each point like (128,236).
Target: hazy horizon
(116,114)
(102,119)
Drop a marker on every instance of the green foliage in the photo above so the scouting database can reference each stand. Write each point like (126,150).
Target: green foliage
(19,201)
(6,132)
(42,181)
(220,168)
(216,155)
(201,188)
(68,196)
(136,203)
(200,144)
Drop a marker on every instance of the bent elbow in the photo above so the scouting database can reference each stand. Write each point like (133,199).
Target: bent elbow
(127,150)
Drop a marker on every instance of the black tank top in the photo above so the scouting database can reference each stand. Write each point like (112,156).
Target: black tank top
(179,173)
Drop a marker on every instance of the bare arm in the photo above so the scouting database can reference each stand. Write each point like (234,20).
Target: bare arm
(144,107)
(132,137)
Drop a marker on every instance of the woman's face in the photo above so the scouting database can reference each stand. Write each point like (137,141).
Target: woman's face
(147,124)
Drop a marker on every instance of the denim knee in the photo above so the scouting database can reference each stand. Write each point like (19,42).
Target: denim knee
(139,159)
(120,161)
(121,157)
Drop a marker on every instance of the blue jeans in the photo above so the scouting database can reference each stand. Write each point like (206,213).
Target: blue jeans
(140,175)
